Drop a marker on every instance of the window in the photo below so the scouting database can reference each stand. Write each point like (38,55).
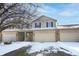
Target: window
(38,25)
(49,24)
(46,24)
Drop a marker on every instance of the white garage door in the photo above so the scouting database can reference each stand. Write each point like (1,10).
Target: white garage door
(44,36)
(69,35)
(9,36)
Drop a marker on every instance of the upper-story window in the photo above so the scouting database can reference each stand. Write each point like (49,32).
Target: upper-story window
(38,25)
(49,24)
(46,24)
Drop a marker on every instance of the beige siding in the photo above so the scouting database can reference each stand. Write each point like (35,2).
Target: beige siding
(9,36)
(69,35)
(44,36)
(43,21)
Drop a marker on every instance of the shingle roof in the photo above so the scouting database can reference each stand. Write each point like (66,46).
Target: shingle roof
(68,26)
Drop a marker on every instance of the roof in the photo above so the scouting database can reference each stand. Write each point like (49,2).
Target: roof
(69,26)
(44,16)
(33,29)
(38,29)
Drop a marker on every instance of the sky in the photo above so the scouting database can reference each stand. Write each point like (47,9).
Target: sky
(64,13)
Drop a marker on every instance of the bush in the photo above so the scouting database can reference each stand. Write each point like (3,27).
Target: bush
(7,42)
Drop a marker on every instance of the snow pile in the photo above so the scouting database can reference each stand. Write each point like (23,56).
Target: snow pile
(54,47)
(73,47)
(11,47)
(39,54)
(36,46)
(46,48)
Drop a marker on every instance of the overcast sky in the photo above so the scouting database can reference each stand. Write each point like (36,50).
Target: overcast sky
(65,13)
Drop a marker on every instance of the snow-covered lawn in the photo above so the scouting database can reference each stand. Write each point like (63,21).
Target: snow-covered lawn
(71,48)
(11,47)
(54,46)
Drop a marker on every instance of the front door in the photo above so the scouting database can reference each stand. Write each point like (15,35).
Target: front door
(20,36)
(29,36)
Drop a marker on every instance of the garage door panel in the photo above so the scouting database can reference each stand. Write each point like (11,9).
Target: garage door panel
(69,35)
(9,36)
(44,36)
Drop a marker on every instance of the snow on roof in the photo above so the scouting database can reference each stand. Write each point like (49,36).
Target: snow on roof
(70,25)
(73,26)
(67,26)
(35,29)
(32,29)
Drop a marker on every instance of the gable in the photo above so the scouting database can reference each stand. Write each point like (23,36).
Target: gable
(44,18)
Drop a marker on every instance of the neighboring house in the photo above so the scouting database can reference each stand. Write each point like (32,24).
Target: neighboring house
(43,29)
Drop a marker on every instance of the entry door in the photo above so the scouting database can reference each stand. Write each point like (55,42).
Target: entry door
(29,36)
(21,36)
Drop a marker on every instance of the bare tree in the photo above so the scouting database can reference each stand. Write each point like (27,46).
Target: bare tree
(12,14)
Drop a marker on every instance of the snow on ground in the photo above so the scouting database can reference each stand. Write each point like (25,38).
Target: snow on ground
(41,46)
(37,47)
(68,47)
(11,47)
(72,47)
